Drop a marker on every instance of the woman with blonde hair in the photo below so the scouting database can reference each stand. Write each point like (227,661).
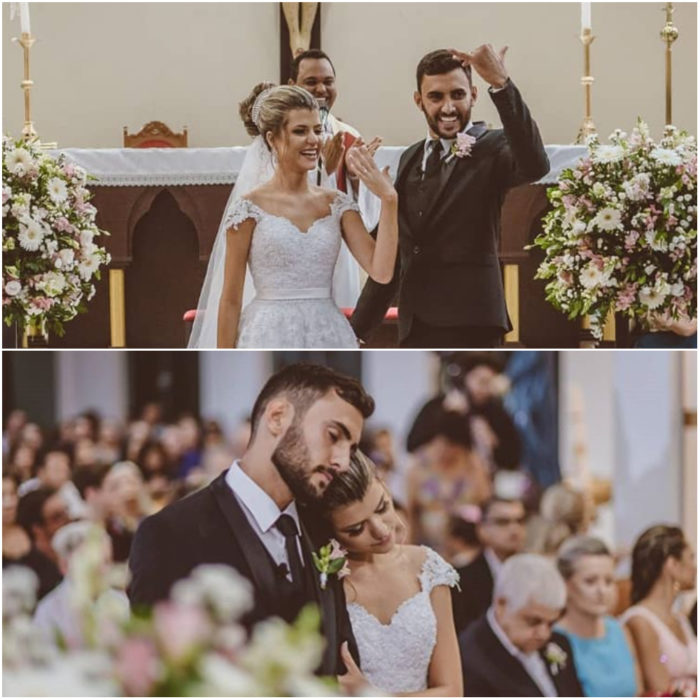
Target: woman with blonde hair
(397,594)
(289,233)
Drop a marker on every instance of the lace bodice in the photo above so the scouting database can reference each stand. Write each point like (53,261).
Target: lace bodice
(396,657)
(283,258)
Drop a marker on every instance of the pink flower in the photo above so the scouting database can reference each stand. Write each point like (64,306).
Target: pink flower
(137,666)
(337,551)
(345,571)
(180,629)
(630,239)
(463,145)
(62,224)
(626,297)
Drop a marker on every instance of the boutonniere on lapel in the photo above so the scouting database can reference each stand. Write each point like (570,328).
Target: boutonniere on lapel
(329,560)
(462,147)
(556,658)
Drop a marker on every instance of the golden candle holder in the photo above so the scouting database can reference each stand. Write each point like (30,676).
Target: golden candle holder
(669,34)
(587,127)
(26,41)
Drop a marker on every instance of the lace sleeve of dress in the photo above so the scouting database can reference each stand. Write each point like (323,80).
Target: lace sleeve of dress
(437,572)
(344,202)
(242,209)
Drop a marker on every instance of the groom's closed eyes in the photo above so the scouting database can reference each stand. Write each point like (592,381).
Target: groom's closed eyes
(338,431)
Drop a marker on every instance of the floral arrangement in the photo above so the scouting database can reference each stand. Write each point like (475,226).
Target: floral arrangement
(622,234)
(190,645)
(48,238)
(329,560)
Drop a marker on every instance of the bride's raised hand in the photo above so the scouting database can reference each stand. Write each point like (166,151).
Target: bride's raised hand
(377,181)
(352,682)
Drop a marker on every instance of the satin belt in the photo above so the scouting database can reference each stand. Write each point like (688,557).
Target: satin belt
(291,294)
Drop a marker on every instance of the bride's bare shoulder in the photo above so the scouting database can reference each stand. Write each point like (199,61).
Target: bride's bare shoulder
(415,554)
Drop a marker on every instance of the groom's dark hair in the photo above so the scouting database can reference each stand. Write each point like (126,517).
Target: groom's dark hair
(440,62)
(304,383)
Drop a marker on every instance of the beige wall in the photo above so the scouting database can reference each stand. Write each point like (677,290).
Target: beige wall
(99,66)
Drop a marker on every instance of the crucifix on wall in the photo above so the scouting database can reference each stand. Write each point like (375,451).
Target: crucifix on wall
(300,30)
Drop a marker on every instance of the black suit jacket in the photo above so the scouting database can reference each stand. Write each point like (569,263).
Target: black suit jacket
(489,670)
(448,272)
(209,527)
(474,599)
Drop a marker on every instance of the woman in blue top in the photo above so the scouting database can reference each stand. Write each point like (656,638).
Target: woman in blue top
(603,654)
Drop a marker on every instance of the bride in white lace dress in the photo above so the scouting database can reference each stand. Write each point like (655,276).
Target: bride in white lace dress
(289,233)
(398,596)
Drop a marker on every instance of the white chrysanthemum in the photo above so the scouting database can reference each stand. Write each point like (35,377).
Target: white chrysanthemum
(651,297)
(608,219)
(608,154)
(591,276)
(31,235)
(57,190)
(666,156)
(13,288)
(87,268)
(18,161)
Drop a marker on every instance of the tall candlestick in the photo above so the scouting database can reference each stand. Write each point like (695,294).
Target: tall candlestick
(587,127)
(586,16)
(24,18)
(669,34)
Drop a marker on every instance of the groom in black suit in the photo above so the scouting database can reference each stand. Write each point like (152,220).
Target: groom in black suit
(451,188)
(306,423)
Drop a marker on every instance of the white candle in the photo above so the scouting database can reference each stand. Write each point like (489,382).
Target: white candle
(24,17)
(586,15)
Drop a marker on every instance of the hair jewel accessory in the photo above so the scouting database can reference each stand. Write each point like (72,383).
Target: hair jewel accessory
(257,105)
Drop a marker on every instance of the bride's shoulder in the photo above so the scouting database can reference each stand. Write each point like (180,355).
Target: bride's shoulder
(435,570)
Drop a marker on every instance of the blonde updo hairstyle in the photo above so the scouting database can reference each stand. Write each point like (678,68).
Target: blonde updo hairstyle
(268,112)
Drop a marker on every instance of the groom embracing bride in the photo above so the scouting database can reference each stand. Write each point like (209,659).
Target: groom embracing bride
(388,624)
(451,187)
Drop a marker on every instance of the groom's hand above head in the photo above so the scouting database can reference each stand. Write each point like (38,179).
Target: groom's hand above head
(489,64)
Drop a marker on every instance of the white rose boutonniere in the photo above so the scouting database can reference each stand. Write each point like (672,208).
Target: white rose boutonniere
(556,658)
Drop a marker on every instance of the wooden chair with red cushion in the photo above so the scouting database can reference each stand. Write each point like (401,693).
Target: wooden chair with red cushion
(156,135)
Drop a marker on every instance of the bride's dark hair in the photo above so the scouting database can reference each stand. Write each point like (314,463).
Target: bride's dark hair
(272,111)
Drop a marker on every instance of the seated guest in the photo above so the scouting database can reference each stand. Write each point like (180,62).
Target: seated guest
(511,650)
(41,513)
(502,533)
(57,615)
(603,651)
(663,565)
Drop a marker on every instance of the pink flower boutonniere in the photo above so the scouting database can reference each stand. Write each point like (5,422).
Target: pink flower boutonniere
(331,559)
(462,147)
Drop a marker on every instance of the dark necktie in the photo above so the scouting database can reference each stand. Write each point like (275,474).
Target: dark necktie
(432,165)
(286,525)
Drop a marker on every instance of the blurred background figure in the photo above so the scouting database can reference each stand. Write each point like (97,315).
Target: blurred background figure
(663,565)
(603,650)
(463,545)
(501,532)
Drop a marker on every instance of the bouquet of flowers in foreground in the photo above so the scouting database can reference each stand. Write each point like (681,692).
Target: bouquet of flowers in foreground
(48,239)
(622,235)
(190,645)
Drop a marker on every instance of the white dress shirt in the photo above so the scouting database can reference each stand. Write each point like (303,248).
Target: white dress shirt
(262,514)
(532,663)
(445,147)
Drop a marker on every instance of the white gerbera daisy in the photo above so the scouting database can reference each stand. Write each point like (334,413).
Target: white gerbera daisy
(608,219)
(608,154)
(591,276)
(57,190)
(18,161)
(30,235)
(667,156)
(651,297)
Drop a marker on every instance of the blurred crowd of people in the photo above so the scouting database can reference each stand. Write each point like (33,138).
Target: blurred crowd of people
(464,489)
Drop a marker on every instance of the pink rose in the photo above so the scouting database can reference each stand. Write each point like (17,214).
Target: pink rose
(463,145)
(137,666)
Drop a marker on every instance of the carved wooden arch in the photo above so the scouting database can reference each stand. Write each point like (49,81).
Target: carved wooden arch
(159,133)
(186,203)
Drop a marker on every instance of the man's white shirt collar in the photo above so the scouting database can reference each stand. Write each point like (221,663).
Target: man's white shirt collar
(260,505)
(494,563)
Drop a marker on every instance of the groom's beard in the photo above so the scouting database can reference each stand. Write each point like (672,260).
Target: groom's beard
(434,124)
(291,457)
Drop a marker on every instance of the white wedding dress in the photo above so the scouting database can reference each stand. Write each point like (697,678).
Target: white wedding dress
(396,657)
(292,272)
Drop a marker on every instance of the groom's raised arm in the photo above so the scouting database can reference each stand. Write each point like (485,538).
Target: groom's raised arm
(522,158)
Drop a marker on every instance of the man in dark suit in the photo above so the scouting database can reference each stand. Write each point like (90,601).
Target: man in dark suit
(502,533)
(451,187)
(511,651)
(305,424)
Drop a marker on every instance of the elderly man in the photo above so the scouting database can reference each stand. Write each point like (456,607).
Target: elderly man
(511,650)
